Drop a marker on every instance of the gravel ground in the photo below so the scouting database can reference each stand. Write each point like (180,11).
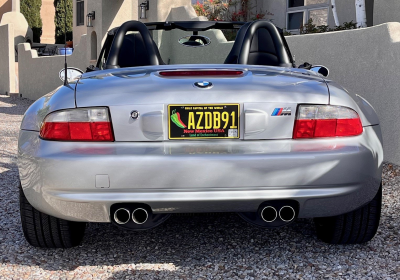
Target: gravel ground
(189,247)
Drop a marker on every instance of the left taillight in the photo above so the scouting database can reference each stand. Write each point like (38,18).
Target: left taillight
(87,124)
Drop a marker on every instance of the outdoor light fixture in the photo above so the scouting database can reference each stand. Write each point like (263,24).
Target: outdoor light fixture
(143,8)
(90,17)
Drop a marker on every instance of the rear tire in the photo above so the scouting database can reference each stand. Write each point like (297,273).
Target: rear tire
(44,231)
(358,226)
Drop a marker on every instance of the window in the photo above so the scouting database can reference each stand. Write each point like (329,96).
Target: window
(295,20)
(80,12)
(300,11)
(296,3)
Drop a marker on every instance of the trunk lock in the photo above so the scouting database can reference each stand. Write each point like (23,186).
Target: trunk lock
(135,114)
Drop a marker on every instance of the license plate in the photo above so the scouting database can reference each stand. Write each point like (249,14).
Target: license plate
(204,121)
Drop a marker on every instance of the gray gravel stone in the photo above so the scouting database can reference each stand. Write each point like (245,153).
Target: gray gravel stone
(190,247)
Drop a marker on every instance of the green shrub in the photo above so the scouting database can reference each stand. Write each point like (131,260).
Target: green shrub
(310,27)
(31,10)
(59,20)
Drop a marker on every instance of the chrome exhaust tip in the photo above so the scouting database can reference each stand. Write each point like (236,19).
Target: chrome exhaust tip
(269,214)
(139,216)
(121,216)
(287,213)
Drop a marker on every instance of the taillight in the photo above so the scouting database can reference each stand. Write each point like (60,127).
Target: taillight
(89,124)
(316,121)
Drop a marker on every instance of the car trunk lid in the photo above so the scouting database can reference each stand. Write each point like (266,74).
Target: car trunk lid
(266,99)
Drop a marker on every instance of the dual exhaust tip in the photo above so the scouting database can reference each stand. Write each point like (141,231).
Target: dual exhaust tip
(269,214)
(139,216)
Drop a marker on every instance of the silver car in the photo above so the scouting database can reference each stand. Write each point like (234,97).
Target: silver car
(135,140)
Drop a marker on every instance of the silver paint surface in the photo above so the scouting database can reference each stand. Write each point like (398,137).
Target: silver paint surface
(326,176)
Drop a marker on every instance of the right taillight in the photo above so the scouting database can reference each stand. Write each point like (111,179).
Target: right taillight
(87,124)
(317,121)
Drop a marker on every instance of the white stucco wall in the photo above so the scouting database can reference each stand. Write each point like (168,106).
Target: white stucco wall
(109,14)
(345,9)
(365,62)
(278,8)
(40,75)
(160,9)
(21,30)
(7,60)
(386,11)
(174,53)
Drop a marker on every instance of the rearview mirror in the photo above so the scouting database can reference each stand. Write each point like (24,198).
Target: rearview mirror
(322,70)
(194,41)
(72,73)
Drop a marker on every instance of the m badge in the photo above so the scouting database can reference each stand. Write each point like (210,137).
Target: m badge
(287,111)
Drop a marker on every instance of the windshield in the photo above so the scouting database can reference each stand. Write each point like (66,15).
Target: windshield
(202,47)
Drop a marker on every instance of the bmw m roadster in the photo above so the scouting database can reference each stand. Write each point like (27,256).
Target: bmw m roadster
(139,138)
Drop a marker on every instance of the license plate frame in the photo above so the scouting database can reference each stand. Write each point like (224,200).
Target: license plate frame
(192,121)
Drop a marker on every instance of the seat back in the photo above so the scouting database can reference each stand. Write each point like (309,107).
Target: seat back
(262,50)
(133,52)
(233,55)
(255,44)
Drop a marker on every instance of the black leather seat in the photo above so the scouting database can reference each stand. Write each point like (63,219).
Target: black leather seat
(262,48)
(133,52)
(232,57)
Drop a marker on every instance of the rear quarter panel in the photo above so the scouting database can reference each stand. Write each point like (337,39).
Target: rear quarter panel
(61,98)
(340,96)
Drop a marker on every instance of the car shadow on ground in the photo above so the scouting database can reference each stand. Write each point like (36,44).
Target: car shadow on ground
(12,105)
(185,242)
(202,239)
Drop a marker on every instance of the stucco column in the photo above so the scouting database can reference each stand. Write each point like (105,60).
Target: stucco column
(16,6)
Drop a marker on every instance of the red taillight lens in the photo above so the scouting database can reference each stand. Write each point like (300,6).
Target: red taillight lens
(317,121)
(197,73)
(101,131)
(55,131)
(349,127)
(78,125)
(304,129)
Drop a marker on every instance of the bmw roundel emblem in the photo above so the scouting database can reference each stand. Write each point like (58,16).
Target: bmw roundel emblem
(203,84)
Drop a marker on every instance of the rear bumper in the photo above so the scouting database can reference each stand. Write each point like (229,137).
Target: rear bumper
(327,177)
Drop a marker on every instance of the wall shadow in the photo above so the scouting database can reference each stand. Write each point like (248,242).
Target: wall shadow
(5,7)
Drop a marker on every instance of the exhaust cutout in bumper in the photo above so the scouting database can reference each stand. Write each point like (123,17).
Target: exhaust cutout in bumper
(273,213)
(136,216)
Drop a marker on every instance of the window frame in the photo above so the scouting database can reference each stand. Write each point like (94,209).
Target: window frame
(80,12)
(293,12)
(306,10)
